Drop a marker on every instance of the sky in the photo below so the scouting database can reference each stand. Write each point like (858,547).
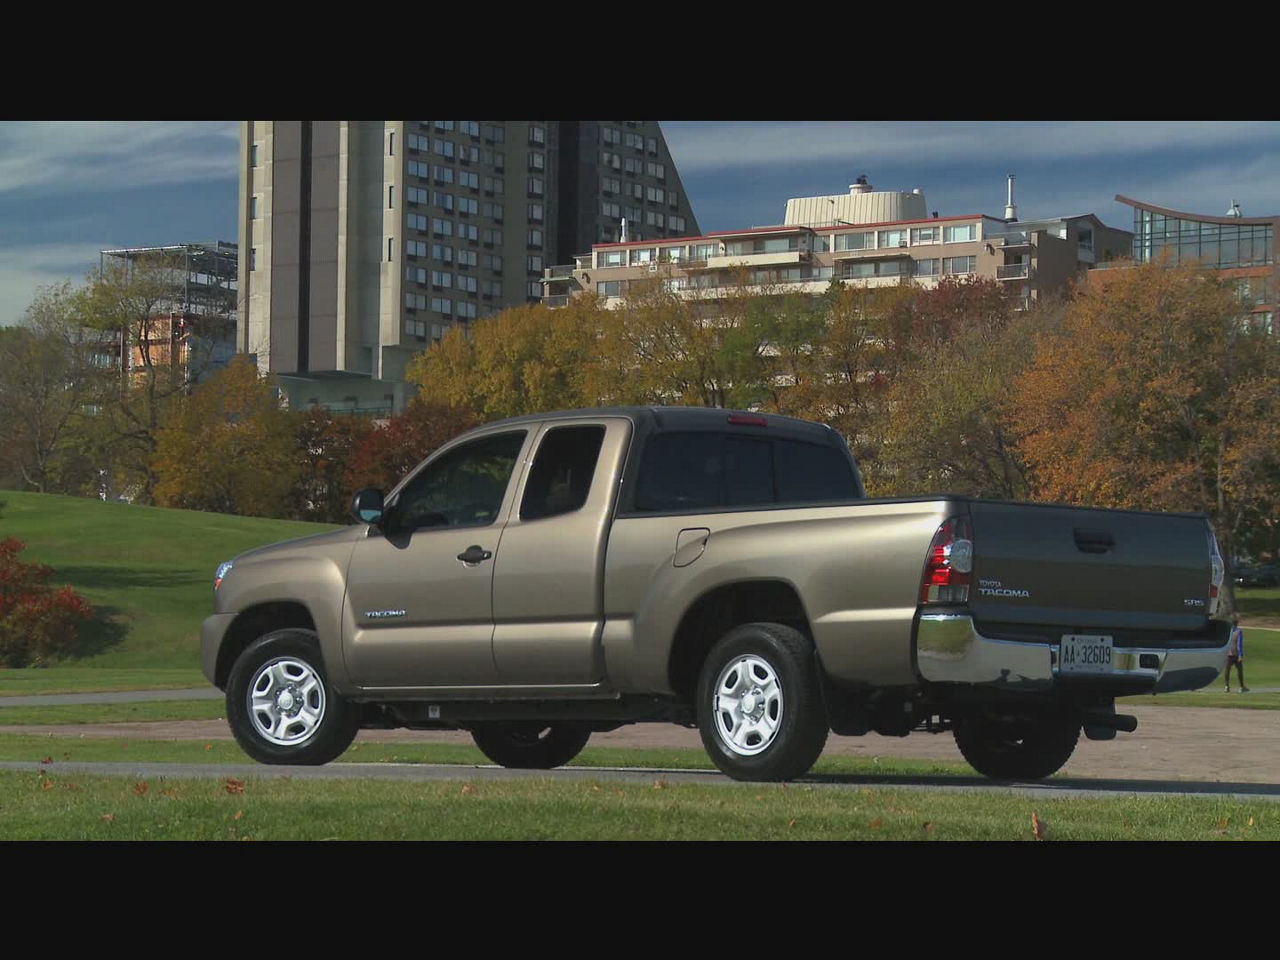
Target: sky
(70,189)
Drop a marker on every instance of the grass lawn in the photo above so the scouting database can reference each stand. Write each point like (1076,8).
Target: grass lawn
(148,570)
(37,805)
(143,711)
(1260,605)
(78,679)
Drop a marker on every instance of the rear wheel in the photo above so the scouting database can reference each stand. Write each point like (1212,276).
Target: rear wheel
(530,745)
(760,705)
(1018,749)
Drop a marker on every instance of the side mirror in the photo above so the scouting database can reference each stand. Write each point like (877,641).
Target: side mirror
(367,505)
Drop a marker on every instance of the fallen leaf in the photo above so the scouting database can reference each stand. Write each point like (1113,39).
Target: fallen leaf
(791,823)
(239,814)
(208,746)
(927,826)
(169,792)
(1251,821)
(66,756)
(46,761)
(1039,829)
(235,786)
(141,788)
(661,784)
(877,823)
(46,784)
(595,788)
(109,817)
(468,788)
(1224,822)
(73,787)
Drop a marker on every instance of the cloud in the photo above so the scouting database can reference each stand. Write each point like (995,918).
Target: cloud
(24,269)
(699,146)
(85,157)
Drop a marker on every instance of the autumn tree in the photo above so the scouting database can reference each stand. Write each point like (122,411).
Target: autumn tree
(959,348)
(391,448)
(524,359)
(229,447)
(140,301)
(327,444)
(1156,394)
(48,382)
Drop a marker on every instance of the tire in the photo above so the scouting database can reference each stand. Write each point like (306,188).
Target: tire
(1030,749)
(530,745)
(280,705)
(759,702)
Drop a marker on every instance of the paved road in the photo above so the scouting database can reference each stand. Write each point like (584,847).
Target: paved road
(1064,787)
(121,696)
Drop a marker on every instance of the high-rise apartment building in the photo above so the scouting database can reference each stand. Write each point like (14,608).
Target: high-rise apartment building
(362,242)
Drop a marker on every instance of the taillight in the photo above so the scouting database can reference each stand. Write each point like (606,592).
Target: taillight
(950,562)
(1218,572)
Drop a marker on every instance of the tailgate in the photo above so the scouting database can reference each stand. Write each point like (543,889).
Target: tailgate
(1074,567)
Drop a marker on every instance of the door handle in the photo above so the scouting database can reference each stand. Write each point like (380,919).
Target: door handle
(475,554)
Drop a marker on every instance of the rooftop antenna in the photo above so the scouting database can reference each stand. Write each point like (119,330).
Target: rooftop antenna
(1010,210)
(624,230)
(1235,210)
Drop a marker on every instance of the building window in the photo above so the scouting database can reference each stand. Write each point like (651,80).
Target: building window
(493,262)
(673,198)
(391,197)
(533,264)
(631,166)
(537,161)
(534,290)
(537,135)
(468,205)
(958,266)
(610,210)
(889,239)
(253,207)
(611,160)
(610,135)
(535,213)
(445,148)
(704,251)
(534,238)
(391,249)
(442,305)
(611,258)
(676,223)
(467,258)
(468,284)
(415,301)
(444,125)
(652,144)
(927,268)
(495,134)
(391,143)
(655,194)
(253,258)
(610,288)
(417,195)
(644,255)
(441,228)
(417,142)
(469,179)
(443,174)
(494,211)
(494,186)
(442,252)
(536,186)
(964,234)
(656,170)
(441,278)
(469,231)
(610,186)
(465,310)
(493,237)
(924,235)
(470,127)
(414,248)
(416,221)
(253,155)
(856,241)
(444,200)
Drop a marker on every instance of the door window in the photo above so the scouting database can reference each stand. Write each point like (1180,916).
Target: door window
(464,488)
(562,472)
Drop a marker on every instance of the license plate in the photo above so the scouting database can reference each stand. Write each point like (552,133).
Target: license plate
(1081,653)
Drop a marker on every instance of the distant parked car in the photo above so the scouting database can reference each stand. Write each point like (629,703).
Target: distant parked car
(1264,576)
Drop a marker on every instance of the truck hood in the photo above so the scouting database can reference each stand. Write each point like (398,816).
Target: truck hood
(301,545)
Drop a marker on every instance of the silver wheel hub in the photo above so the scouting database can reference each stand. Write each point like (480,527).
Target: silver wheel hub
(286,701)
(747,705)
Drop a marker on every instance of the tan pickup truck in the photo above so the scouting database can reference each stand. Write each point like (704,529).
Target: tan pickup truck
(545,577)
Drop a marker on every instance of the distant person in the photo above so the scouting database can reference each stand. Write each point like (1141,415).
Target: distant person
(1235,654)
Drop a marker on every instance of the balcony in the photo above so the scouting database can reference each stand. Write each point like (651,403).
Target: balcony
(756,259)
(560,300)
(1013,271)
(1014,239)
(560,272)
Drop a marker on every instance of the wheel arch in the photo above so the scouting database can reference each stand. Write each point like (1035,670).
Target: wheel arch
(720,609)
(252,623)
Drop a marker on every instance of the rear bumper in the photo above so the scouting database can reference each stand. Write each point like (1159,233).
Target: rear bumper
(949,649)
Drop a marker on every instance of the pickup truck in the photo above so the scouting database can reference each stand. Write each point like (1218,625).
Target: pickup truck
(544,577)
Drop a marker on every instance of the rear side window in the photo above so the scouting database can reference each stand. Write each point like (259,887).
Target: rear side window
(562,472)
(806,472)
(693,471)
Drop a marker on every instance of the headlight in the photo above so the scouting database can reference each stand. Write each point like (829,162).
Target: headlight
(223,570)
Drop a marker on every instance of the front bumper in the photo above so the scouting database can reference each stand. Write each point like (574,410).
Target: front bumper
(949,649)
(212,631)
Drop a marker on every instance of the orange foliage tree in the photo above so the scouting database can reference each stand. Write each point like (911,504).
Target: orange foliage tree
(1157,394)
(388,451)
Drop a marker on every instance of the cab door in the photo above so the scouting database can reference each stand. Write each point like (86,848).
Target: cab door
(548,584)
(419,606)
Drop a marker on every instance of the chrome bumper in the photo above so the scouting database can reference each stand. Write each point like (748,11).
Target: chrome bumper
(949,649)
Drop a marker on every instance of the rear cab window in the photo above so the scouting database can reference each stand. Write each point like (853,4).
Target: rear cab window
(708,470)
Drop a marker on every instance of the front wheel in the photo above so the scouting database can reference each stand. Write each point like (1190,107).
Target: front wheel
(530,745)
(280,706)
(1018,749)
(760,704)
